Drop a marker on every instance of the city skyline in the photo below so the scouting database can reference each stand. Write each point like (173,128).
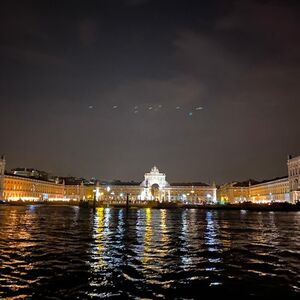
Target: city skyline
(25,185)
(46,175)
(207,92)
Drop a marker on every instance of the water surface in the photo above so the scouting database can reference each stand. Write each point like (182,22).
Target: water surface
(69,252)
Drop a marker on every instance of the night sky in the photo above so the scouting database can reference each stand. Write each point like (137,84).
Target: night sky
(206,90)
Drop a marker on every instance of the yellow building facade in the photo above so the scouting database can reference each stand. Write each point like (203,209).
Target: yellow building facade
(285,189)
(79,192)
(294,177)
(232,193)
(271,191)
(20,188)
(153,188)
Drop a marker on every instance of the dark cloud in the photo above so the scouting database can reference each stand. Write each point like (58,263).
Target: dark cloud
(171,92)
(205,58)
(237,59)
(30,56)
(20,24)
(87,32)
(271,27)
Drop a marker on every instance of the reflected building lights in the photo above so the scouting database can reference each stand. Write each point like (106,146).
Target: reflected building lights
(186,257)
(99,238)
(107,215)
(147,235)
(76,214)
(139,227)
(225,234)
(210,233)
(163,226)
(212,243)
(137,252)
(163,239)
(120,226)
(273,229)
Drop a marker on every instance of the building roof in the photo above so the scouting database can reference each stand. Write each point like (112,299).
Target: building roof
(70,180)
(251,182)
(32,177)
(119,182)
(188,184)
(273,179)
(245,183)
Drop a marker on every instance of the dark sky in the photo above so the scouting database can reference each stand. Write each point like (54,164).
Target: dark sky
(206,90)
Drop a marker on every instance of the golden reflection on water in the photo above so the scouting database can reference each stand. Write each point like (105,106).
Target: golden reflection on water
(18,238)
(225,234)
(99,237)
(265,233)
(163,227)
(273,229)
(20,228)
(147,235)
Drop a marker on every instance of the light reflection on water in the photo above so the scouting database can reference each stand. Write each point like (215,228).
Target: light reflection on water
(164,239)
(211,239)
(98,236)
(147,237)
(53,251)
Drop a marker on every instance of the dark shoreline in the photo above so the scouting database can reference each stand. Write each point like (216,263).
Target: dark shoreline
(242,206)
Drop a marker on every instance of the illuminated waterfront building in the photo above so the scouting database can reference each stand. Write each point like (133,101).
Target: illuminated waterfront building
(294,177)
(276,190)
(15,187)
(154,187)
(233,192)
(284,189)
(22,188)
(76,192)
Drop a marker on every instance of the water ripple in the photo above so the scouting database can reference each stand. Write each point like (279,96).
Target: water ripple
(67,252)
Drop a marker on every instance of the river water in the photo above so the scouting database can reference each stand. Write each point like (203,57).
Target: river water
(55,252)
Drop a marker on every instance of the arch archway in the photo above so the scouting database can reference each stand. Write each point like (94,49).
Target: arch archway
(155,191)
